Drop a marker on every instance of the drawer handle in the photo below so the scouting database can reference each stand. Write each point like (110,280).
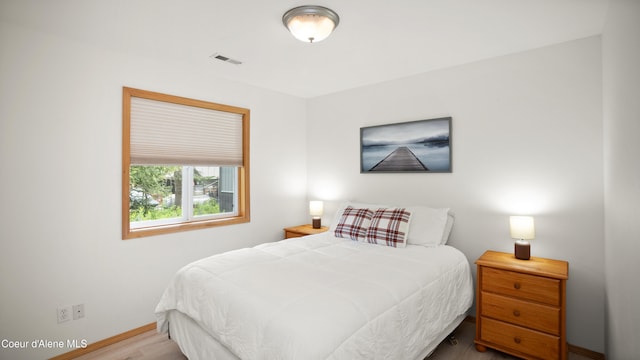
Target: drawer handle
(516,313)
(517,339)
(516,285)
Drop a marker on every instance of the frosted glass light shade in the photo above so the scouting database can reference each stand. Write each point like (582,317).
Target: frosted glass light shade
(522,227)
(316,208)
(310,23)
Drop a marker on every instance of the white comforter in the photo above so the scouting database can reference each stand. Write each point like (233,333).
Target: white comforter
(321,297)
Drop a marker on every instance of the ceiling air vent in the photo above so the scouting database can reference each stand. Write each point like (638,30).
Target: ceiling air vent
(226,59)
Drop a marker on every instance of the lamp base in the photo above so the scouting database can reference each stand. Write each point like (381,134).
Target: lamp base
(522,250)
(316,223)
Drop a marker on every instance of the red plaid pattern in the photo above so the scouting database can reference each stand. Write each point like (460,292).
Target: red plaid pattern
(353,223)
(389,227)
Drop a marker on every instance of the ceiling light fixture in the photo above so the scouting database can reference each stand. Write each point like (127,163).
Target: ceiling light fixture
(310,22)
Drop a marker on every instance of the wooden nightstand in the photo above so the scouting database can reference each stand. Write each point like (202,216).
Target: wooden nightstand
(521,306)
(302,230)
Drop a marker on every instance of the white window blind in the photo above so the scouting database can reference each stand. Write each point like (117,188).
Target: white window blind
(164,133)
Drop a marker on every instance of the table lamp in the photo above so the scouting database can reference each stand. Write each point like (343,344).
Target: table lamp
(315,210)
(522,229)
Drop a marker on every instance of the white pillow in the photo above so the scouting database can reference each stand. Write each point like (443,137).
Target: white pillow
(429,226)
(448,227)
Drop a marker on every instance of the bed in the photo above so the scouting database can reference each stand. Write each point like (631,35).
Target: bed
(335,295)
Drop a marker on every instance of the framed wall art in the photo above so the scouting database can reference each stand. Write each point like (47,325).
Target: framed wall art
(422,146)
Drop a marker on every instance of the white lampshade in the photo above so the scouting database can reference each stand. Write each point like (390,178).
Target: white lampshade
(316,208)
(522,227)
(310,23)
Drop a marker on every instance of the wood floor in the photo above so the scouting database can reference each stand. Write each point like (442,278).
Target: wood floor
(152,346)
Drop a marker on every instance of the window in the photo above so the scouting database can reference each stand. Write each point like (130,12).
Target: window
(185,164)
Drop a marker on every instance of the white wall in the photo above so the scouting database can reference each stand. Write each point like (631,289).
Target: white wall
(621,54)
(527,139)
(60,231)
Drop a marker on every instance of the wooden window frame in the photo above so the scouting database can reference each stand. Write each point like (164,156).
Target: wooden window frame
(243,213)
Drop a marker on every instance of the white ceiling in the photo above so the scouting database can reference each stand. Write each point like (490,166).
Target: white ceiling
(376,40)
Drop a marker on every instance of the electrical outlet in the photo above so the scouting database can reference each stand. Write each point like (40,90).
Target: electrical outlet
(78,311)
(65,313)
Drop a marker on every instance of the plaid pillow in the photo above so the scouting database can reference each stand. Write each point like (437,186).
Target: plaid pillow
(389,227)
(353,223)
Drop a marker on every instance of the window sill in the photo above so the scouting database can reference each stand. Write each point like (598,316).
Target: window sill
(187,226)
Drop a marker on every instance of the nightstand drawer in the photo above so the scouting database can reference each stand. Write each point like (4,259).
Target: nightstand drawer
(536,288)
(535,316)
(302,230)
(292,234)
(523,340)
